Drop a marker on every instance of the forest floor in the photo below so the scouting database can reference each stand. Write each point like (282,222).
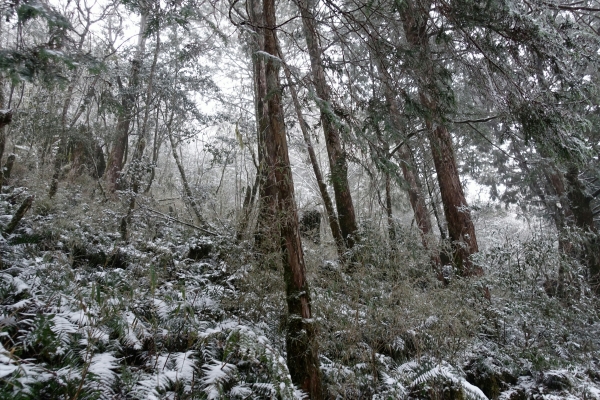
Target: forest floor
(173,314)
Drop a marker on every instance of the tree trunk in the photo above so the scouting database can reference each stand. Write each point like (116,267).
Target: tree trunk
(458,216)
(136,162)
(583,215)
(63,142)
(337,156)
(5,118)
(331,217)
(246,210)
(7,169)
(155,153)
(116,160)
(25,206)
(263,238)
(301,338)
(415,191)
(186,187)
(388,208)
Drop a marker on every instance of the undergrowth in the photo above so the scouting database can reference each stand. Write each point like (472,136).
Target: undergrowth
(172,314)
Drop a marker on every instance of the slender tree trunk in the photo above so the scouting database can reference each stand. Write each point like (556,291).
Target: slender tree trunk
(25,206)
(246,210)
(388,207)
(186,187)
(5,118)
(301,337)
(117,157)
(548,196)
(458,216)
(337,156)
(63,143)
(155,153)
(331,217)
(138,154)
(415,191)
(61,153)
(435,207)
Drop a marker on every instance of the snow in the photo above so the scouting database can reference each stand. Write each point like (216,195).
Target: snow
(102,365)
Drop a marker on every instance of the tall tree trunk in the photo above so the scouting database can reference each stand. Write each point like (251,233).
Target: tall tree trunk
(458,216)
(331,217)
(337,157)
(5,118)
(301,336)
(116,159)
(264,238)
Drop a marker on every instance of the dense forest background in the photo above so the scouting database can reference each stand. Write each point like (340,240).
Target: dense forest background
(299,199)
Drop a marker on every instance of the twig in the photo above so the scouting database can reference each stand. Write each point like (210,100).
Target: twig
(169,218)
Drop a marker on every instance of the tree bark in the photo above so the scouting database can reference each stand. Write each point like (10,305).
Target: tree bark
(5,118)
(116,160)
(458,216)
(25,206)
(263,238)
(388,208)
(337,156)
(301,338)
(331,217)
(7,169)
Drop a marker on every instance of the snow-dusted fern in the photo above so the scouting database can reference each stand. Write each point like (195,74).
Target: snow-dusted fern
(265,373)
(420,374)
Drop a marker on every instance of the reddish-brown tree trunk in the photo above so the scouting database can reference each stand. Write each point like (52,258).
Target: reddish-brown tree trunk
(264,238)
(337,157)
(301,338)
(458,216)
